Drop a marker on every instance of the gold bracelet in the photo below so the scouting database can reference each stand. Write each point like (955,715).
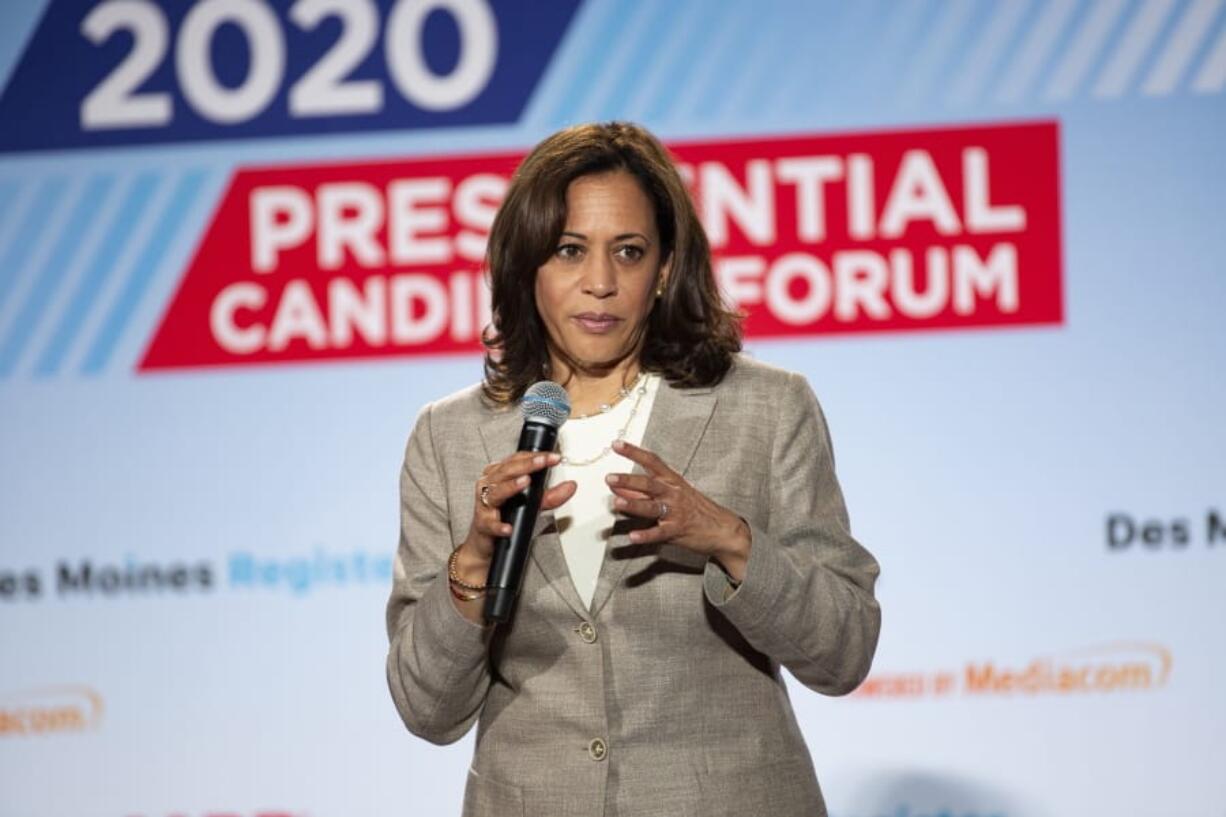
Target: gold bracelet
(454,577)
(463,596)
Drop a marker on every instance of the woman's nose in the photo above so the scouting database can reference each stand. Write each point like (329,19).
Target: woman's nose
(600,277)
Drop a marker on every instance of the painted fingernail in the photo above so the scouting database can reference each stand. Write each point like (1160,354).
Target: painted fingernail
(612,479)
(618,445)
(619,502)
(539,459)
(521,481)
(554,458)
(635,536)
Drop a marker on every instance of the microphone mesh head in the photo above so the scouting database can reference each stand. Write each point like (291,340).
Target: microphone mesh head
(546,402)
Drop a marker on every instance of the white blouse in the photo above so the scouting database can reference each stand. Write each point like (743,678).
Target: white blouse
(585,522)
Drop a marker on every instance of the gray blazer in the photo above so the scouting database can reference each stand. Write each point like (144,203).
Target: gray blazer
(665,698)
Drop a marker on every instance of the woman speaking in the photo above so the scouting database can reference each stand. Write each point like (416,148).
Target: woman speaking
(691,542)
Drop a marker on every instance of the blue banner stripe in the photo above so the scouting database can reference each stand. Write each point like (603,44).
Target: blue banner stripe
(622,59)
(667,100)
(642,61)
(147,264)
(8,192)
(817,49)
(673,52)
(117,234)
(768,55)
(590,54)
(29,234)
(67,246)
(896,46)
(708,79)
(933,53)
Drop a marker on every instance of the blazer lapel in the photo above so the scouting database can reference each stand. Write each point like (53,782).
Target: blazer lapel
(678,421)
(547,553)
(500,432)
(500,436)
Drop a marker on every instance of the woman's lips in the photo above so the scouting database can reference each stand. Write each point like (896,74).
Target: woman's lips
(597,323)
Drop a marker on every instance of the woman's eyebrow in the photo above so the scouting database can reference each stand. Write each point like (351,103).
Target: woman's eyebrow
(618,237)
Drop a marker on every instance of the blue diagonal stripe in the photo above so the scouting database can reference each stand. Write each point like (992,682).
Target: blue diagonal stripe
(757,47)
(901,35)
(635,66)
(723,60)
(116,235)
(8,192)
(684,80)
(147,263)
(591,51)
(783,45)
(690,48)
(823,49)
(28,234)
(933,52)
(8,196)
(664,71)
(51,276)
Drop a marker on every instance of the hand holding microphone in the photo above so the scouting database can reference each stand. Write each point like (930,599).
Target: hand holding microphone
(507,498)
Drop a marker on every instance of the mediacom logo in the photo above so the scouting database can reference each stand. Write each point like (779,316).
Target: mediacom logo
(1110,668)
(812,235)
(49,710)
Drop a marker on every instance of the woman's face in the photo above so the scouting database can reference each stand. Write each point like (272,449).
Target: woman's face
(595,293)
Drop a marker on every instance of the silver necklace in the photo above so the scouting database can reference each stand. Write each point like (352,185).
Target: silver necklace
(641,382)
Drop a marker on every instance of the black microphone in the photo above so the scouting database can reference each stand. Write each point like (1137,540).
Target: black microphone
(545,407)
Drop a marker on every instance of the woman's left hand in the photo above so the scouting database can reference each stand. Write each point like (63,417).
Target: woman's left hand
(684,515)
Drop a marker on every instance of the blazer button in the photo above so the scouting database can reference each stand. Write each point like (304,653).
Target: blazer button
(587,632)
(597,750)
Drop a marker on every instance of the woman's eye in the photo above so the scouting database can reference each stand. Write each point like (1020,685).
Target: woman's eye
(569,252)
(631,252)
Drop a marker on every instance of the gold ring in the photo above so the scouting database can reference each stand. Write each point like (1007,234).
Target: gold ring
(485,490)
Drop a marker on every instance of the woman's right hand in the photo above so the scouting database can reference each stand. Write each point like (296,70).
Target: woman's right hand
(499,481)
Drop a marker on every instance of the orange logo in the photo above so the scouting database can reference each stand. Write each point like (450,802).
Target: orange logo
(49,710)
(1109,668)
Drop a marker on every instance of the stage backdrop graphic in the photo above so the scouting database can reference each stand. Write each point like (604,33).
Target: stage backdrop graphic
(240,248)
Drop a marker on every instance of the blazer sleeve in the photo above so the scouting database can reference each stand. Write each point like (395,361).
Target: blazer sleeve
(437,666)
(806,599)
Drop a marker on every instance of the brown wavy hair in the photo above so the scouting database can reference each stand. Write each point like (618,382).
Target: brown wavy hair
(691,335)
